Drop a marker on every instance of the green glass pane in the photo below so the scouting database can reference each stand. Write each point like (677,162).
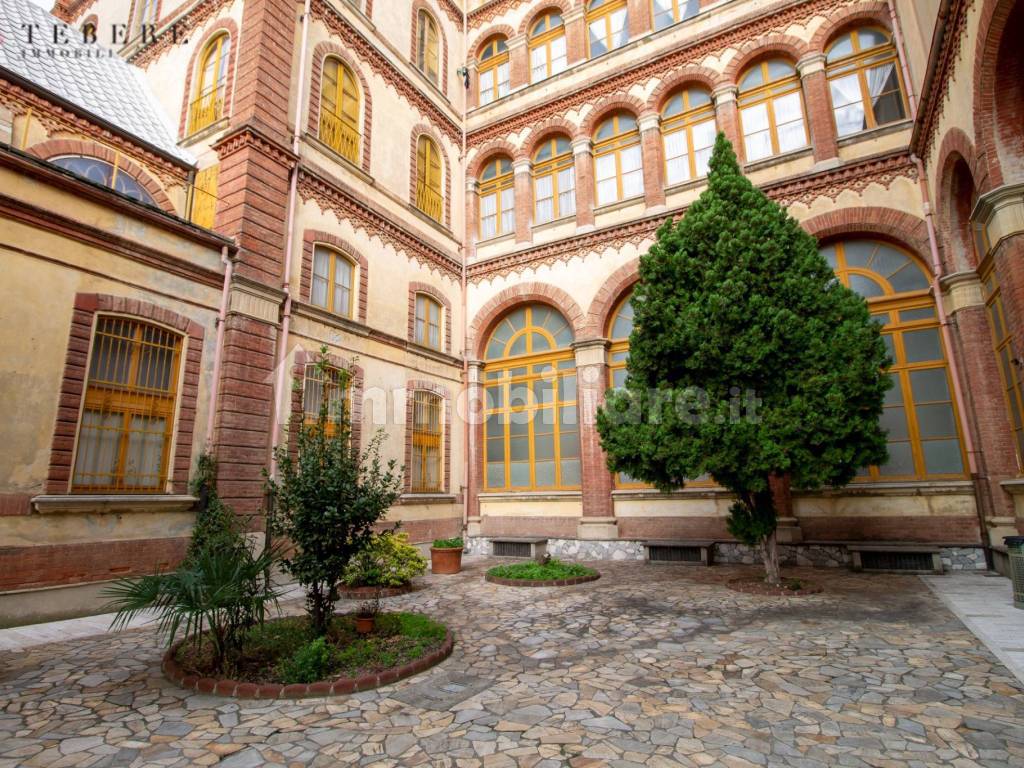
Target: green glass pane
(544,474)
(496,475)
(519,394)
(518,347)
(543,391)
(901,460)
(495,397)
(936,420)
(540,342)
(942,457)
(495,427)
(858,253)
(569,445)
(520,474)
(923,345)
(829,253)
(921,313)
(543,447)
(930,385)
(567,388)
(894,396)
(496,450)
(889,346)
(570,472)
(866,286)
(566,365)
(519,449)
(567,417)
(894,422)
(909,278)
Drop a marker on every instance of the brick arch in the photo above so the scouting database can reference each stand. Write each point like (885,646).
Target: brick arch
(562,6)
(314,237)
(225,25)
(504,30)
(956,148)
(607,105)
(903,229)
(995,17)
(425,130)
(703,76)
(787,45)
(610,293)
(302,358)
(548,128)
(851,16)
(525,293)
(488,151)
(440,298)
(422,385)
(86,306)
(423,5)
(320,54)
(51,148)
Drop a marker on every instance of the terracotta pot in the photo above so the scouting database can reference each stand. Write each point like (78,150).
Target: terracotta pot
(446,560)
(364,624)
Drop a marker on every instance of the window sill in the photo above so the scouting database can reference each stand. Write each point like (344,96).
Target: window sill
(111,503)
(618,205)
(769,162)
(497,239)
(339,158)
(560,221)
(527,496)
(215,127)
(684,186)
(874,133)
(427,498)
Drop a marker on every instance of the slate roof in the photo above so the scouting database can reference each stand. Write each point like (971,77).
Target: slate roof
(105,86)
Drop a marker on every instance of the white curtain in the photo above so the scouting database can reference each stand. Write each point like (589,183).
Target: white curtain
(677,164)
(488,215)
(538,63)
(558,55)
(789,122)
(605,171)
(847,105)
(508,210)
(543,192)
(487,86)
(567,192)
(632,172)
(757,138)
(703,135)
(503,80)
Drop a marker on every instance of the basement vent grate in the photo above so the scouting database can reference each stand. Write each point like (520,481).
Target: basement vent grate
(896,561)
(669,554)
(512,549)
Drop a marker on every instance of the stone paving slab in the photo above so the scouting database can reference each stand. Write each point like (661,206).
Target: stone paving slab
(649,666)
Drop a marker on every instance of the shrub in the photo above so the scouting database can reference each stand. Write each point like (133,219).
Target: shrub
(216,525)
(389,560)
(455,543)
(548,571)
(314,661)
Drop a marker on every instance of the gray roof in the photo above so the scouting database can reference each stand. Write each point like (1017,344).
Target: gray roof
(105,86)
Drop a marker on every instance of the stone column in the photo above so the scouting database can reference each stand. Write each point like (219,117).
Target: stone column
(472,207)
(575,35)
(582,151)
(639,18)
(727,117)
(524,200)
(475,450)
(598,521)
(653,153)
(518,62)
(818,103)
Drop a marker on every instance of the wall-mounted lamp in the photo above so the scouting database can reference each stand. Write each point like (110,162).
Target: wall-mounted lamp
(463,72)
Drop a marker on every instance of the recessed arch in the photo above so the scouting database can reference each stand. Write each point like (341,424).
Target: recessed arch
(544,293)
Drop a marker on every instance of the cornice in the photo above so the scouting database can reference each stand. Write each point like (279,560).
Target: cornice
(488,12)
(380,64)
(940,69)
(247,135)
(332,194)
(452,11)
(196,15)
(755,25)
(804,189)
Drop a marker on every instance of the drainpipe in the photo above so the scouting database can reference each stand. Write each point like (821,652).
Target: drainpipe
(218,352)
(465,321)
(286,315)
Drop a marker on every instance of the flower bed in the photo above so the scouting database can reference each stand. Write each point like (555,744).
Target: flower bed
(553,573)
(281,659)
(789,587)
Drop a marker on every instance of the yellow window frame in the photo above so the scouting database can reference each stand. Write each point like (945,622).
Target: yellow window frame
(208,106)
(428,49)
(603,13)
(496,186)
(614,144)
(552,167)
(340,104)
(766,94)
(333,258)
(204,197)
(429,319)
(1009,374)
(490,59)
(860,61)
(427,434)
(428,178)
(544,40)
(336,389)
(685,121)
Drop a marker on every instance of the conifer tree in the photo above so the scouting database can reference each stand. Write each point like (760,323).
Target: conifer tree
(748,360)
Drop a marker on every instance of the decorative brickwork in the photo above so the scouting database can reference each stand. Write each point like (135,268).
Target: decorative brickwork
(411,387)
(886,223)
(310,239)
(524,293)
(688,74)
(842,19)
(562,6)
(416,288)
(186,23)
(617,284)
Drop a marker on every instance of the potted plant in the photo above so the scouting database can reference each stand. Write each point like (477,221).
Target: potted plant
(446,555)
(366,615)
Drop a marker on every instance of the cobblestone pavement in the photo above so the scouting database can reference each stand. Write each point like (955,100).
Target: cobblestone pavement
(649,666)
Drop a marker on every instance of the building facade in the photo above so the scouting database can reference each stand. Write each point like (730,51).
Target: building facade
(453,201)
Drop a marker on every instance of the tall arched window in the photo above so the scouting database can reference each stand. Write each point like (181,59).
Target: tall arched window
(554,180)
(688,130)
(919,414)
(127,424)
(864,79)
(325,385)
(669,12)
(493,70)
(1009,372)
(207,106)
(497,199)
(427,431)
(103,173)
(427,330)
(607,26)
(531,429)
(339,109)
(771,110)
(428,46)
(428,178)
(147,13)
(333,278)
(618,165)
(547,46)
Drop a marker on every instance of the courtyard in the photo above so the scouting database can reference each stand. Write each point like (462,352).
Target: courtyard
(650,665)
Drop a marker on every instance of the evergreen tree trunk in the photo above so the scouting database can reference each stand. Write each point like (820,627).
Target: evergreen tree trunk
(770,555)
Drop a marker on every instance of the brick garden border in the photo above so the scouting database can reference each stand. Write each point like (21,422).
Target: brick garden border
(338,687)
(541,582)
(368,593)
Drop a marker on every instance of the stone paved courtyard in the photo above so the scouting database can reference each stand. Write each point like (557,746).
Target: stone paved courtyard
(649,666)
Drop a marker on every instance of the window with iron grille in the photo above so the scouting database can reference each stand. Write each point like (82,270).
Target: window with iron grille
(127,424)
(325,385)
(427,429)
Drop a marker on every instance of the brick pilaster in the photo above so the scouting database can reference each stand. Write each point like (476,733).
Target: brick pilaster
(652,150)
(727,117)
(584,158)
(591,383)
(575,35)
(640,21)
(818,103)
(518,62)
(524,200)
(472,207)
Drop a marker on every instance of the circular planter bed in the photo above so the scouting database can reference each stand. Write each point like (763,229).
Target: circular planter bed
(551,574)
(789,588)
(368,593)
(403,644)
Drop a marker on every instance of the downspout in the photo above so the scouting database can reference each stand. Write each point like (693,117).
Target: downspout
(465,321)
(218,352)
(286,314)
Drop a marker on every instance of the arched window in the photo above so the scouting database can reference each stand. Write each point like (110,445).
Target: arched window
(493,70)
(127,424)
(547,46)
(333,278)
(147,13)
(554,180)
(864,79)
(618,165)
(688,130)
(771,110)
(497,199)
(619,328)
(103,173)
(531,429)
(919,414)
(1009,372)
(428,47)
(339,109)
(428,322)
(325,385)
(669,12)
(427,431)
(428,178)
(207,105)
(607,26)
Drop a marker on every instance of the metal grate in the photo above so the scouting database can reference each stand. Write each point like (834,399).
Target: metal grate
(896,561)
(674,554)
(512,549)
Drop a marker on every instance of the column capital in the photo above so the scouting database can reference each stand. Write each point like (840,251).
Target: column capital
(811,63)
(472,186)
(724,94)
(590,351)
(474,368)
(1001,212)
(515,41)
(649,121)
(582,146)
(962,290)
(521,166)
(574,13)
